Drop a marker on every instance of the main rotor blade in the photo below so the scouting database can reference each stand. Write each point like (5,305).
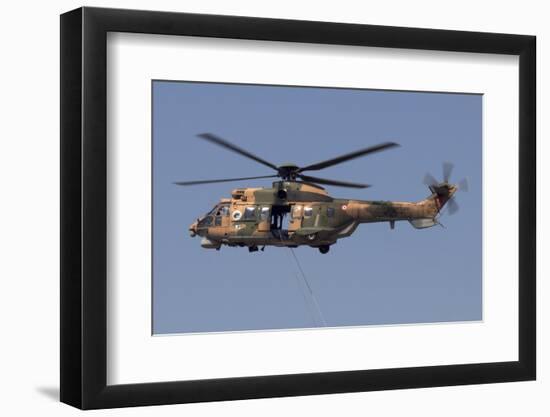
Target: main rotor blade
(349,156)
(186,183)
(228,145)
(317,180)
(447,171)
(429,180)
(453,206)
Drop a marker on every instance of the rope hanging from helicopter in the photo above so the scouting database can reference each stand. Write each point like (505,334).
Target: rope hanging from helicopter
(318,318)
(315,302)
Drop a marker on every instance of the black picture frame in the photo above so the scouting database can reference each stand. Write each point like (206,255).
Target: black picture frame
(84,207)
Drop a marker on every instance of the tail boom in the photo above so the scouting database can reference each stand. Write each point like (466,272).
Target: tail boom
(421,214)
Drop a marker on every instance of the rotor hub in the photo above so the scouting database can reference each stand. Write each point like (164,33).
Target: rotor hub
(288,171)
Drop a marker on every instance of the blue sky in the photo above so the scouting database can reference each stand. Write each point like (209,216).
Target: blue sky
(376,276)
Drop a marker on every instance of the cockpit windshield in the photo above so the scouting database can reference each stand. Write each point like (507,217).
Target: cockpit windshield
(214,216)
(219,210)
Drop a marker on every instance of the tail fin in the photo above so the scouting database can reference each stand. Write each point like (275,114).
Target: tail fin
(442,194)
(443,191)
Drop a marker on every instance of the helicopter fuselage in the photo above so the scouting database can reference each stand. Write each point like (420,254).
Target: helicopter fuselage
(294,213)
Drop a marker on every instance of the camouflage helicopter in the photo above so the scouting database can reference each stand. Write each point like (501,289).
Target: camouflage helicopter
(297,211)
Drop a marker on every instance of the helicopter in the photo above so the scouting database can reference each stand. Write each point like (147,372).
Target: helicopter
(297,211)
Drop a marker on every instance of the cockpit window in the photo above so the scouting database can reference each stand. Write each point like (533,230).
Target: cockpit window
(224,210)
(249,213)
(308,212)
(207,221)
(330,211)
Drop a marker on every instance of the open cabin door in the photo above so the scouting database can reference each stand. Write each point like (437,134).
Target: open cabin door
(279,217)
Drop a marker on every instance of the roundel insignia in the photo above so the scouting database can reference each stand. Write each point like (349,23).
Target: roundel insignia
(344,207)
(237,215)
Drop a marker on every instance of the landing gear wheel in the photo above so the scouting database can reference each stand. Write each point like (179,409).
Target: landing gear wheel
(324,249)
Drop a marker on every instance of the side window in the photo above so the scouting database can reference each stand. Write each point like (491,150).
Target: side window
(224,211)
(250,213)
(218,221)
(264,213)
(330,211)
(308,211)
(296,212)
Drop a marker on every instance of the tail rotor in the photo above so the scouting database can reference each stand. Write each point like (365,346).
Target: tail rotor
(463,185)
(444,190)
(447,171)
(429,180)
